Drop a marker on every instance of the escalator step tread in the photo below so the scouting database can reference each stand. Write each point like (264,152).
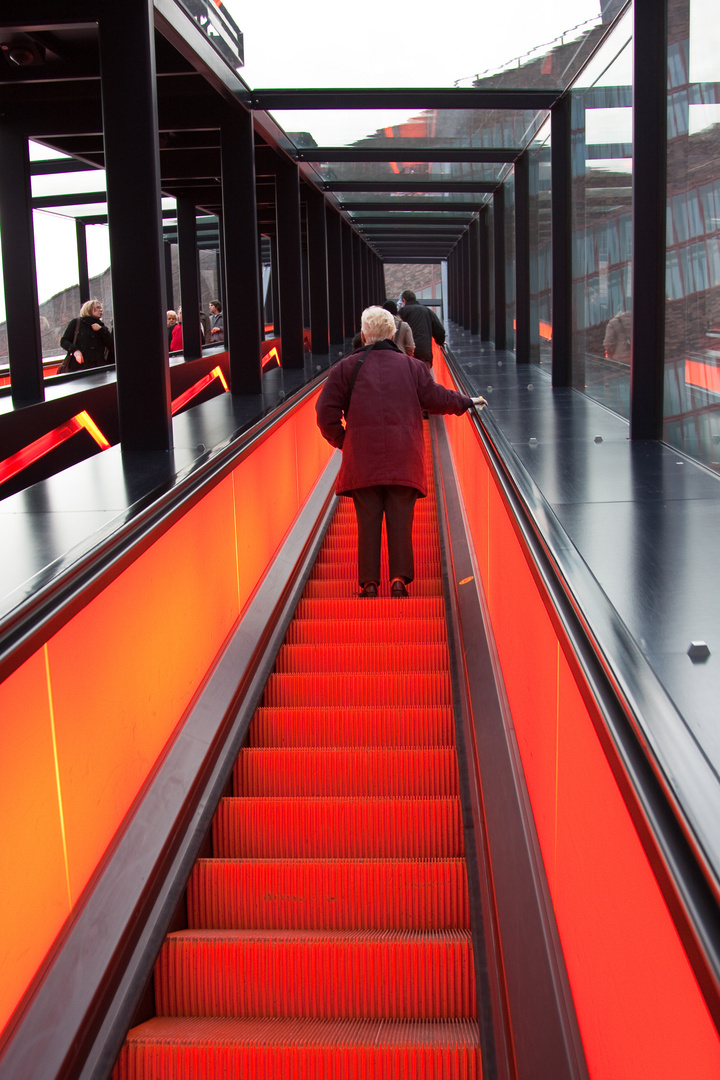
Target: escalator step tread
(332,894)
(346,771)
(338,827)
(273,1048)
(382,689)
(392,974)
(342,726)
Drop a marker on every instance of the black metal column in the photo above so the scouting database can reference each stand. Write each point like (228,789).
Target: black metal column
(82,258)
(348,285)
(484,269)
(452,285)
(522,260)
(462,281)
(242,302)
(561,206)
(318,265)
(649,217)
(189,278)
(290,274)
(474,268)
(336,313)
(169,294)
(132,165)
(499,244)
(18,256)
(274,286)
(357,279)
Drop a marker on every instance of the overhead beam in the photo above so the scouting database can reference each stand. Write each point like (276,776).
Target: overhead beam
(413,204)
(465,187)
(400,151)
(416,219)
(408,98)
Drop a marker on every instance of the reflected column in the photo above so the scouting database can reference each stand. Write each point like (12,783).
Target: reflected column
(242,302)
(18,256)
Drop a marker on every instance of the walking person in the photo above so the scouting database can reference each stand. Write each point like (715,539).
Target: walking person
(381,393)
(403,332)
(424,324)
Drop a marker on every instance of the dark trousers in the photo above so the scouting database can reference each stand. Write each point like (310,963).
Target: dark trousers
(397,503)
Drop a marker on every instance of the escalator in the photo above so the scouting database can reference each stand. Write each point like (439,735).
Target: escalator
(329,932)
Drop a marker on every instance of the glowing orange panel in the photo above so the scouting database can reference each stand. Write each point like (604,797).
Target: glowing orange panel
(34,900)
(126,666)
(266,502)
(641,1013)
(312,451)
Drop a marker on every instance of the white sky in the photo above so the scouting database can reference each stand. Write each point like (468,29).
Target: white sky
(323,44)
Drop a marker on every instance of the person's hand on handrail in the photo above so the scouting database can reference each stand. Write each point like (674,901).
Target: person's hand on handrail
(479,403)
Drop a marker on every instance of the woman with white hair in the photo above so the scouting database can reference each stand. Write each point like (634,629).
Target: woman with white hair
(381,393)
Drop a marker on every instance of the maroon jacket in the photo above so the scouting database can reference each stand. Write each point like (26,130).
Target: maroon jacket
(383,442)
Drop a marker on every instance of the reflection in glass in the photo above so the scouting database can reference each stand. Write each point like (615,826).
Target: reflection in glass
(602,222)
(692,306)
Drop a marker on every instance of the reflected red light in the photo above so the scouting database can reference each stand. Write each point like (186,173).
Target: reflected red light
(31,453)
(705,375)
(194,390)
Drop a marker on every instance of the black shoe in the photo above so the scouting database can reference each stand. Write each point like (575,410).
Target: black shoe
(369,589)
(398,588)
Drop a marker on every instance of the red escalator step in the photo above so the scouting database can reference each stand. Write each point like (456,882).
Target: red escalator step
(427,691)
(391,974)
(340,608)
(357,631)
(346,771)
(339,587)
(370,658)
(214,1049)
(338,828)
(328,894)
(317,726)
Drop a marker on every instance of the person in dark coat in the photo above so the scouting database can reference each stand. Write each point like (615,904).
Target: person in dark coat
(92,345)
(424,324)
(383,465)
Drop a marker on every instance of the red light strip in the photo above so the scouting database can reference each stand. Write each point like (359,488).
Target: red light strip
(269,357)
(31,453)
(194,390)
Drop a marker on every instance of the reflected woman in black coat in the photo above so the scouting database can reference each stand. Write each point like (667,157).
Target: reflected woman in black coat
(92,346)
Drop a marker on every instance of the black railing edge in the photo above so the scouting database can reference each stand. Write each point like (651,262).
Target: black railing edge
(665,804)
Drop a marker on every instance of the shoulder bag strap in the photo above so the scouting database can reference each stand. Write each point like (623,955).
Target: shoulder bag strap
(354,376)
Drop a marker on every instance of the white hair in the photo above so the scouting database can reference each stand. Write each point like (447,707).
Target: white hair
(377,325)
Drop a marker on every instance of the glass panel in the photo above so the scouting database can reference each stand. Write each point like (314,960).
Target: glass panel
(406,168)
(434,128)
(692,305)
(524,43)
(602,222)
